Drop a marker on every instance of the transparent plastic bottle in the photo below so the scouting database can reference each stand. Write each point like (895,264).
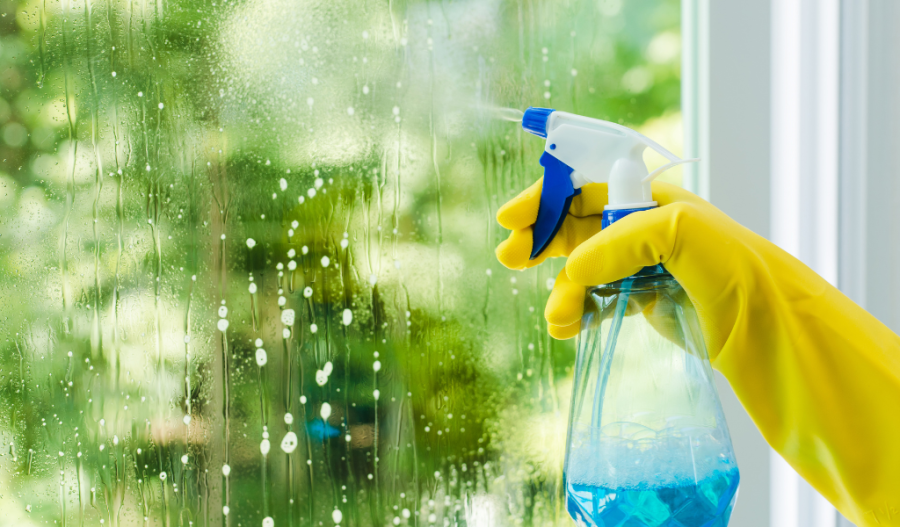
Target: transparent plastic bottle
(648,444)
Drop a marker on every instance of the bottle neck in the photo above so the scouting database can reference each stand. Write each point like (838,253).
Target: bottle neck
(614,215)
(611,216)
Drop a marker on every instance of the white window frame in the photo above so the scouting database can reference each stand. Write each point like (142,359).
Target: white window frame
(809,163)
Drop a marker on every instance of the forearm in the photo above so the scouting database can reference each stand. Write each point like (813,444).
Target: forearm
(821,380)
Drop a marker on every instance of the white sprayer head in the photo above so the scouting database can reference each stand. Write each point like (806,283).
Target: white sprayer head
(581,150)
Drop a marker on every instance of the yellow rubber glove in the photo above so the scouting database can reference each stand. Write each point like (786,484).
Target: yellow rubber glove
(818,374)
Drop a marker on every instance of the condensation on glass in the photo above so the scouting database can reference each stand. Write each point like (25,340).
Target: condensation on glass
(246,255)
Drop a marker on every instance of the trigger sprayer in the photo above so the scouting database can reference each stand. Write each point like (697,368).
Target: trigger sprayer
(580,150)
(647,442)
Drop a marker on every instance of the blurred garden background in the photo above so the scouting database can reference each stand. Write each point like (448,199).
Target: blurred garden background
(246,254)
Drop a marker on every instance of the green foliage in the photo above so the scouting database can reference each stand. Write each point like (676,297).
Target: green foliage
(144,144)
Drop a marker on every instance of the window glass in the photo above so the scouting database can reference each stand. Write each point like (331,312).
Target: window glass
(246,254)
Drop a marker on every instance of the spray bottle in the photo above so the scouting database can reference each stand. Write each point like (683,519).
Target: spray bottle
(647,444)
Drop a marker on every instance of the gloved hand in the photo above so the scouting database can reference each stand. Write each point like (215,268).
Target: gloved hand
(818,374)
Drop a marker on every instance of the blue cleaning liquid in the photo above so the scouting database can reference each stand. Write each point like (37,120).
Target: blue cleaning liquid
(705,504)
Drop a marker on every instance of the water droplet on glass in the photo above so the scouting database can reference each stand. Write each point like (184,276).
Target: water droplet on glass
(261,357)
(289,443)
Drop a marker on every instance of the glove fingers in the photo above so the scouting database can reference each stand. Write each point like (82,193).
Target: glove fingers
(521,211)
(625,247)
(564,332)
(566,303)
(514,252)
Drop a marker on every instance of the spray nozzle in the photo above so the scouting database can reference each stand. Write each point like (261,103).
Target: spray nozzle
(580,150)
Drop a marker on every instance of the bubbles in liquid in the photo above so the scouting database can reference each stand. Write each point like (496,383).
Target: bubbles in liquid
(337,516)
(287,317)
(264,447)
(222,325)
(325,261)
(347,317)
(325,411)
(226,470)
(376,365)
(225,510)
(307,292)
(268,522)
(251,243)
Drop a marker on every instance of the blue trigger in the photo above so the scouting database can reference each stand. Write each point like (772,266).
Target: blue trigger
(556,197)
